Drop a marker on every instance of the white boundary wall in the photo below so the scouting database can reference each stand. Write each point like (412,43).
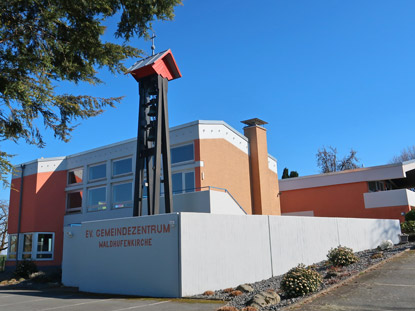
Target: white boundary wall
(207,251)
(115,264)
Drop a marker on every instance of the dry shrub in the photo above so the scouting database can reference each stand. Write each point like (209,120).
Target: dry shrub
(236,293)
(228,290)
(249,309)
(376,255)
(208,293)
(227,308)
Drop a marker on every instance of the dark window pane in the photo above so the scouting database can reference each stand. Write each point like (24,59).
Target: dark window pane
(177,182)
(75,176)
(123,166)
(98,171)
(182,154)
(97,198)
(44,256)
(74,203)
(122,195)
(189,180)
(27,243)
(44,242)
(12,241)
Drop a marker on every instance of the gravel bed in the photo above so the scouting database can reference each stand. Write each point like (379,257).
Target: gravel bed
(322,267)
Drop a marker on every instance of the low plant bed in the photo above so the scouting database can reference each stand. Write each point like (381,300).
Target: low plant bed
(330,274)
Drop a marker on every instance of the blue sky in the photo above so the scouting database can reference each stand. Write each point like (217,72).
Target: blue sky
(320,72)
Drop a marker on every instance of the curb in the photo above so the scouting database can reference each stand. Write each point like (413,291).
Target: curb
(344,282)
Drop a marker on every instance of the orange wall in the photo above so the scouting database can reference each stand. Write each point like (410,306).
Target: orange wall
(345,200)
(225,166)
(43,208)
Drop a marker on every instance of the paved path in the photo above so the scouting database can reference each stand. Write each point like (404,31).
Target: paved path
(389,287)
(67,300)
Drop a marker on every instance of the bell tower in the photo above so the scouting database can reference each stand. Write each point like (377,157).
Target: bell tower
(153,142)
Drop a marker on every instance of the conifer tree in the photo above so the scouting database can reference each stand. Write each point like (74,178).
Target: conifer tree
(45,42)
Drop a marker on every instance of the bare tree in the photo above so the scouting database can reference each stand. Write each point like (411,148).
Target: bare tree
(327,160)
(4,217)
(406,155)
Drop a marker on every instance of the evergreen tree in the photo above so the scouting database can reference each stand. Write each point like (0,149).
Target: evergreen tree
(293,174)
(44,42)
(285,173)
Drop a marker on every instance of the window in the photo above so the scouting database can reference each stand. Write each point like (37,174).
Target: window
(41,250)
(177,182)
(12,246)
(97,171)
(183,182)
(74,202)
(75,176)
(121,167)
(122,195)
(97,199)
(44,246)
(182,154)
(27,246)
(380,186)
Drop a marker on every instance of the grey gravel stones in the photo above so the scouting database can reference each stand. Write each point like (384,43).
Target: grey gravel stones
(366,259)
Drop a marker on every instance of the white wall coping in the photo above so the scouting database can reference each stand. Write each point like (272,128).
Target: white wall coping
(382,172)
(397,197)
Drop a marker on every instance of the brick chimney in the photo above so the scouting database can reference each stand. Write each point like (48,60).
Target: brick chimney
(264,182)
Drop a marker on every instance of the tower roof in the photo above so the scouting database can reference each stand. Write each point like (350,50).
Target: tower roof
(162,63)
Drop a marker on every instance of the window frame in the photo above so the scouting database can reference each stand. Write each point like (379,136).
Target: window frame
(77,183)
(123,174)
(33,253)
(183,173)
(186,161)
(75,210)
(23,252)
(10,245)
(95,165)
(91,208)
(42,252)
(113,202)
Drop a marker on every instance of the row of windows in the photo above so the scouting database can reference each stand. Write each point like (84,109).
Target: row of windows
(34,246)
(99,171)
(125,166)
(121,194)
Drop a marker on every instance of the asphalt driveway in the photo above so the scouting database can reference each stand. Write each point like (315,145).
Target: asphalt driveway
(70,300)
(388,287)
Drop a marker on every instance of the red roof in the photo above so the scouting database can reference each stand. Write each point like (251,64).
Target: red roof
(162,64)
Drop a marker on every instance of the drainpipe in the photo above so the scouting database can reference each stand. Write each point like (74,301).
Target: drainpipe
(20,213)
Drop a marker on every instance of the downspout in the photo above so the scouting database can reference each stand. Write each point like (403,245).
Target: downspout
(20,212)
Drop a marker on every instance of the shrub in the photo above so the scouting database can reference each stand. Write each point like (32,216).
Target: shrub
(300,281)
(410,216)
(341,256)
(208,293)
(249,308)
(376,255)
(408,226)
(228,290)
(25,268)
